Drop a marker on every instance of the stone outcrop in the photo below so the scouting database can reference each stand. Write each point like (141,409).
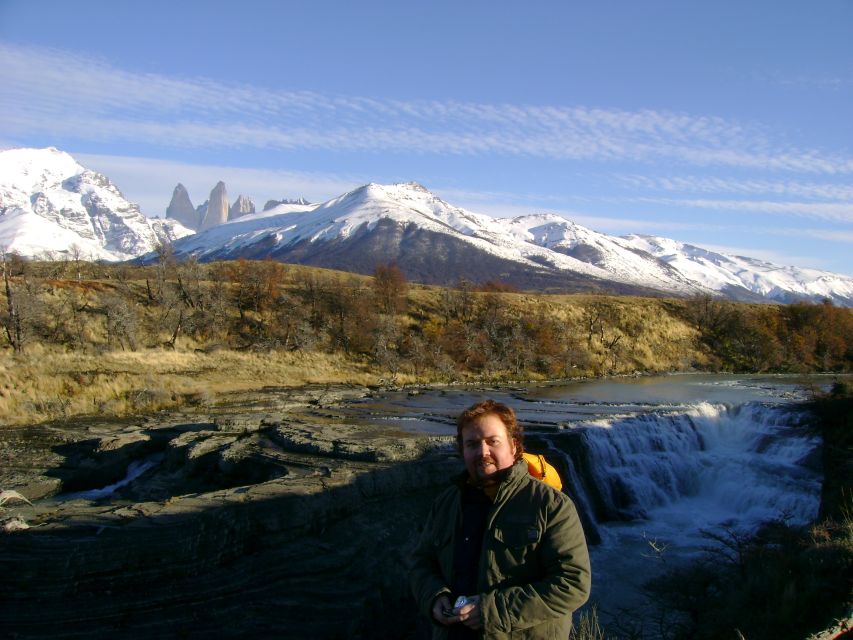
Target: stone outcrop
(181,208)
(271,204)
(242,206)
(217,208)
(291,524)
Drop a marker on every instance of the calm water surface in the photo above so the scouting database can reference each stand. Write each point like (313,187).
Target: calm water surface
(434,411)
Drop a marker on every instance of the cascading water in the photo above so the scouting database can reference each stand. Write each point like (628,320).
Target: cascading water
(672,454)
(134,470)
(659,487)
(703,466)
(660,468)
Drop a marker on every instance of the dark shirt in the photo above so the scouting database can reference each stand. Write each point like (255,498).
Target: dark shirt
(466,552)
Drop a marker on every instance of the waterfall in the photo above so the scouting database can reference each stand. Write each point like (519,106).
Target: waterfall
(134,470)
(573,485)
(661,469)
(705,464)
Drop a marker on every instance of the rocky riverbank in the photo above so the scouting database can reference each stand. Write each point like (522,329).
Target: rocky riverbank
(272,516)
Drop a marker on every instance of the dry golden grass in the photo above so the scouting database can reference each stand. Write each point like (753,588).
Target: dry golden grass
(651,338)
(44,384)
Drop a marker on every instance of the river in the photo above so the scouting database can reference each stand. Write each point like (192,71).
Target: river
(654,464)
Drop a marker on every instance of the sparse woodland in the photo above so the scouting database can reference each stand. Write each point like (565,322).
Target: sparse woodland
(83,338)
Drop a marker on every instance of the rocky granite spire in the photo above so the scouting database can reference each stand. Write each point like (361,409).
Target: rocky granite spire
(242,206)
(181,208)
(217,207)
(274,203)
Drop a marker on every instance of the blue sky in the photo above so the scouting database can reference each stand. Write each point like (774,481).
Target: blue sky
(724,124)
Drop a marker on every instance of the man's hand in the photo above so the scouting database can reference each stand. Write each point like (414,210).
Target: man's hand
(471,615)
(442,611)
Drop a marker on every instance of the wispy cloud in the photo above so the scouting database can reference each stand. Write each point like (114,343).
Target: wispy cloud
(820,81)
(768,255)
(716,184)
(42,87)
(830,235)
(837,211)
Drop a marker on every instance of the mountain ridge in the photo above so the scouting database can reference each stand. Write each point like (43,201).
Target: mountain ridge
(553,253)
(52,205)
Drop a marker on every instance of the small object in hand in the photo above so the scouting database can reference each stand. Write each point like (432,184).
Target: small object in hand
(461,601)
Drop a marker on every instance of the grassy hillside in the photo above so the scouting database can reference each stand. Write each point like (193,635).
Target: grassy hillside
(81,338)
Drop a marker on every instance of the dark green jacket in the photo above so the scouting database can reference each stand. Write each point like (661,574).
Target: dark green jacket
(534,566)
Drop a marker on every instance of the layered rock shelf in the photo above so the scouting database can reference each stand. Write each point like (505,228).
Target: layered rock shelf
(256,520)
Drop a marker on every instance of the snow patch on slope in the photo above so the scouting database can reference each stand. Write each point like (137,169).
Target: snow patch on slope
(619,260)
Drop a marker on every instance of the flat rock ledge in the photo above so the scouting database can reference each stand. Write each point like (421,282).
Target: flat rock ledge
(233,526)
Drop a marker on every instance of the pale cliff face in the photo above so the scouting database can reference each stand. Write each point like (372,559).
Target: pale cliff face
(217,207)
(242,206)
(181,208)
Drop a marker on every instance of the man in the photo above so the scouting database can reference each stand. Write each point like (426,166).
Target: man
(510,543)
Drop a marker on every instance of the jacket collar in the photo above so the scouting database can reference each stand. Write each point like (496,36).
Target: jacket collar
(511,477)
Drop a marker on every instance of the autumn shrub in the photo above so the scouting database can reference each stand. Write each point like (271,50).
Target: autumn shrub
(783,582)
(587,626)
(800,337)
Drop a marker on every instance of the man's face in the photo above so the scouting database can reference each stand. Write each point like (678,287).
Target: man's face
(487,447)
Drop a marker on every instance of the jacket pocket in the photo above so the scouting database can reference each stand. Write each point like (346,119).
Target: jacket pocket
(517,535)
(515,548)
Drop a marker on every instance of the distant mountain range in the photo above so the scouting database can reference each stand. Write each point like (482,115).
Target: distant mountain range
(48,203)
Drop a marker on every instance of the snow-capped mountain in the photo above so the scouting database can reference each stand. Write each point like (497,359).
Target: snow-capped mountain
(616,258)
(435,242)
(430,240)
(50,205)
(739,276)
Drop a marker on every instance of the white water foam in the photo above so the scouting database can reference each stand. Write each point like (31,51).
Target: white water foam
(688,479)
(709,466)
(134,470)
